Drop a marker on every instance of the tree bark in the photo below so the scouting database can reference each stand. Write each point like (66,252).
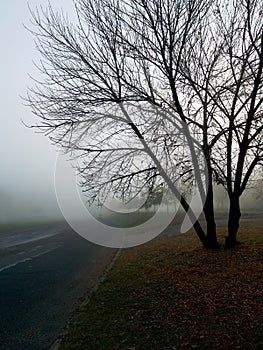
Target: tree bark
(210,221)
(196,225)
(209,202)
(233,222)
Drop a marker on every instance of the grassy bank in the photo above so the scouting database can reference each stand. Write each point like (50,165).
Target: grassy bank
(172,294)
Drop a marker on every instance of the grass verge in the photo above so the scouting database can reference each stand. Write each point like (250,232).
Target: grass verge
(172,294)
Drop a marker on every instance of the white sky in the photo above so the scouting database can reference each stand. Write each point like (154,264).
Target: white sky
(27,158)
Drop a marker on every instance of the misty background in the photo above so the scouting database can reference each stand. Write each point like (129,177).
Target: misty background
(27,158)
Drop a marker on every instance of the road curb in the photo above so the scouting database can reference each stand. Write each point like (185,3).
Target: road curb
(86,299)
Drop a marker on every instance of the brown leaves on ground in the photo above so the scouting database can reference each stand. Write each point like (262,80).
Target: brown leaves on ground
(172,294)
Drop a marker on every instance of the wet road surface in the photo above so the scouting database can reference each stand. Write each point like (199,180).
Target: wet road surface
(43,274)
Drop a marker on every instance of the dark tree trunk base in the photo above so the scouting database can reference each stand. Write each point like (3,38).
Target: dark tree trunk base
(213,245)
(233,222)
(230,243)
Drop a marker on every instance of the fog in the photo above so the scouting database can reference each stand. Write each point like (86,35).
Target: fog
(250,201)
(27,158)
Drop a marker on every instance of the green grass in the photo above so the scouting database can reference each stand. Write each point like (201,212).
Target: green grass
(172,294)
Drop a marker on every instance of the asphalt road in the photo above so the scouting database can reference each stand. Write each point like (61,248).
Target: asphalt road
(43,275)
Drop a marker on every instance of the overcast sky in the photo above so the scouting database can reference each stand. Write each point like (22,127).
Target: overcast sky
(27,158)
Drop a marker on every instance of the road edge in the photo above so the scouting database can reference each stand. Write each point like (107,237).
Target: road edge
(86,298)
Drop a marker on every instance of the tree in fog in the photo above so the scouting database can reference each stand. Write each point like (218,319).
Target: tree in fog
(134,82)
(224,74)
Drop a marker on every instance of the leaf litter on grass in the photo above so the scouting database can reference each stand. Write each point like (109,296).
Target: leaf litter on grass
(172,294)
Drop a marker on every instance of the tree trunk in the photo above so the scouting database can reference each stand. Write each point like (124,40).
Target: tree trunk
(233,222)
(196,225)
(210,221)
(209,205)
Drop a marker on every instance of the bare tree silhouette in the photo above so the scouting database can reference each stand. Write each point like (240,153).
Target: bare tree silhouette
(134,82)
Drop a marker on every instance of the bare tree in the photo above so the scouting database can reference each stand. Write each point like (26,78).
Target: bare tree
(224,74)
(134,81)
(244,86)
